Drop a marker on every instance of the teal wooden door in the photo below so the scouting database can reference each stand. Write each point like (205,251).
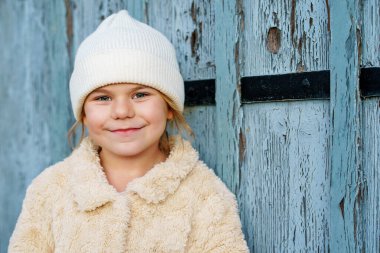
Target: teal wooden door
(302,159)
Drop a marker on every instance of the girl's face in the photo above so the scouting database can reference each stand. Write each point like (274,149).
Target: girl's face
(126,120)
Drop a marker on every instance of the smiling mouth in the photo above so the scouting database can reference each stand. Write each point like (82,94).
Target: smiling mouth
(125,131)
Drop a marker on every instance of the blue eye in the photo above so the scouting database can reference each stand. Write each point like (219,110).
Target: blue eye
(140,95)
(103,98)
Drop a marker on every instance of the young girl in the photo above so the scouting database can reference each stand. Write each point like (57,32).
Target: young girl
(128,187)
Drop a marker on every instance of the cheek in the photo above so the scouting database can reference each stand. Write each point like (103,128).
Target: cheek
(160,114)
(156,117)
(156,113)
(93,118)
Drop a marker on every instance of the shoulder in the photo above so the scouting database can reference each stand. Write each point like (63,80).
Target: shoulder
(208,181)
(199,180)
(209,188)
(57,175)
(215,211)
(216,224)
(48,183)
(34,221)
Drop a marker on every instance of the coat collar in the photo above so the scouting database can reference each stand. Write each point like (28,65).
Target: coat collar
(91,189)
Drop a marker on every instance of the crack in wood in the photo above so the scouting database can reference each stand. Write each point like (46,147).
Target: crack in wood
(341,206)
(69,28)
(292,20)
(328,15)
(242,147)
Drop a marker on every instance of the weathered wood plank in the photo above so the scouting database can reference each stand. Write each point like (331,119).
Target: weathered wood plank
(86,17)
(190,26)
(284,190)
(284,174)
(227,97)
(371,130)
(34,71)
(293,37)
(346,140)
(202,121)
(370,33)
(371,167)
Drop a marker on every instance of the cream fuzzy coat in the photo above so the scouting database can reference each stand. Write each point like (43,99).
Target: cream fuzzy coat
(177,206)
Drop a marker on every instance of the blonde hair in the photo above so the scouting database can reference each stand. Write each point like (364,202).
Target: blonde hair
(178,123)
(71,134)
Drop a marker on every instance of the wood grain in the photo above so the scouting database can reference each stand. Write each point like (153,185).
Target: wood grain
(346,232)
(371,168)
(284,189)
(35,104)
(371,131)
(285,174)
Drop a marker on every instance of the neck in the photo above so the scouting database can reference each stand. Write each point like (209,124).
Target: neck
(120,170)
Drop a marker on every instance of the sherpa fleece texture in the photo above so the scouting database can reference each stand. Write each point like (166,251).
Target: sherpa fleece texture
(180,205)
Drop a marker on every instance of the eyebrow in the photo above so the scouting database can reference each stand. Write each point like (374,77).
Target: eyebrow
(105,90)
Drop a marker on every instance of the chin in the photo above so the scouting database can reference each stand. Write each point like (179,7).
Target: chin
(127,149)
(122,151)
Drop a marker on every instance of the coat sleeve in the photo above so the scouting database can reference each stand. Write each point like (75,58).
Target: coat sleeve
(217,226)
(33,229)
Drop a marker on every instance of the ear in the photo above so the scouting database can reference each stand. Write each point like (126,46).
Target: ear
(84,119)
(170,115)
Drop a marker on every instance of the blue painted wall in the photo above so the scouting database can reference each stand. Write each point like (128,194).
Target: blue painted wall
(306,173)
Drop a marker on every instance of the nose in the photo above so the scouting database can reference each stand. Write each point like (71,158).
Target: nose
(122,108)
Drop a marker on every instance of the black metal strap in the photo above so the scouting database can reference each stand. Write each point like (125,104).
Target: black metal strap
(293,86)
(200,92)
(370,82)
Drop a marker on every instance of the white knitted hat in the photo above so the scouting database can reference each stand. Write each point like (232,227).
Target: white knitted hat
(124,50)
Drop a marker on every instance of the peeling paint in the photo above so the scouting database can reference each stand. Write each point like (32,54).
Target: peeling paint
(303,43)
(292,19)
(69,29)
(370,27)
(146,13)
(284,172)
(274,40)
(368,194)
(341,206)
(328,15)
(193,12)
(240,13)
(286,166)
(242,146)
(227,98)
(359,44)
(35,110)
(194,42)
(345,154)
